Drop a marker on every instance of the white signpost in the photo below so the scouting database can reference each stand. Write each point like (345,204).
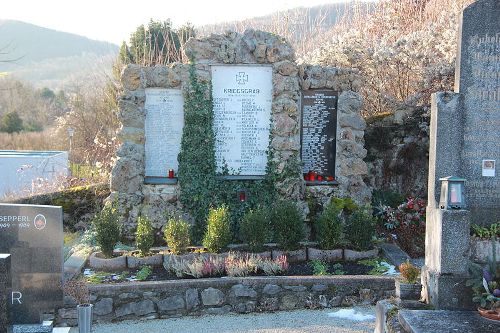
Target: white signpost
(242,99)
(163,128)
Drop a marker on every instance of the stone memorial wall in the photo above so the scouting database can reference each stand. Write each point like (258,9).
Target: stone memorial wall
(256,91)
(33,235)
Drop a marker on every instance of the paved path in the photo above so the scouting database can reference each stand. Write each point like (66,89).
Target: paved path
(300,321)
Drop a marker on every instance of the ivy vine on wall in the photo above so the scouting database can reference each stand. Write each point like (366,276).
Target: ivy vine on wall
(200,186)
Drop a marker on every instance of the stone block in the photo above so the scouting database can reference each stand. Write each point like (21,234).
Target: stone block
(212,296)
(271,289)
(289,301)
(240,290)
(103,307)
(382,311)
(447,241)
(131,77)
(171,304)
(446,291)
(192,299)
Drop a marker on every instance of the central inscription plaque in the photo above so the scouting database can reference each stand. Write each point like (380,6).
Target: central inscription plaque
(319,131)
(242,100)
(163,129)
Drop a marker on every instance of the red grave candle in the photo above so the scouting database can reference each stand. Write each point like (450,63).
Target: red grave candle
(171,173)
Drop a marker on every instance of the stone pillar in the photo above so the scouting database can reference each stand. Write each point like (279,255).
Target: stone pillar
(447,242)
(5,285)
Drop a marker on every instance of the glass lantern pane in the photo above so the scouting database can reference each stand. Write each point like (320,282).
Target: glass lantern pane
(455,193)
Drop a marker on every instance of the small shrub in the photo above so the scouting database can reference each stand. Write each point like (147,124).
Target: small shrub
(360,229)
(319,267)
(144,273)
(288,225)
(218,233)
(214,266)
(409,273)
(144,236)
(176,235)
(329,227)
(107,227)
(254,229)
(338,269)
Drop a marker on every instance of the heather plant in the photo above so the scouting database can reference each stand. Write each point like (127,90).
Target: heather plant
(254,229)
(107,227)
(218,233)
(78,290)
(288,225)
(241,266)
(176,235)
(144,236)
(277,266)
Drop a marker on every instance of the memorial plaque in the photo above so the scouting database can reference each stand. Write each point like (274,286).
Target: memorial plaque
(319,131)
(478,80)
(163,130)
(242,99)
(33,235)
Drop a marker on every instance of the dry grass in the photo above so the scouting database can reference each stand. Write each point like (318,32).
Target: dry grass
(30,141)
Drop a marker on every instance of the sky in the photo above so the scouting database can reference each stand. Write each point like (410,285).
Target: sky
(114,21)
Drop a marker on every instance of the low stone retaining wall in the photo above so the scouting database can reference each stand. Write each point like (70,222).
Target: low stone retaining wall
(165,299)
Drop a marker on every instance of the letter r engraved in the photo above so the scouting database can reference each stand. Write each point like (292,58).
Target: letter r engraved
(16,296)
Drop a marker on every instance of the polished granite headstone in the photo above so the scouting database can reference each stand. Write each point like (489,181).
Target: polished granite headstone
(5,280)
(478,82)
(33,235)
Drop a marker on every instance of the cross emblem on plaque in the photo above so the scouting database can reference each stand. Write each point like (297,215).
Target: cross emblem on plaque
(241,78)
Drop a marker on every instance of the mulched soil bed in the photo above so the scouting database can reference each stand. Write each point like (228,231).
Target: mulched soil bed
(295,269)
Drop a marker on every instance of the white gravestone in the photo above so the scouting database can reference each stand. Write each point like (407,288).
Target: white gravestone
(163,129)
(242,99)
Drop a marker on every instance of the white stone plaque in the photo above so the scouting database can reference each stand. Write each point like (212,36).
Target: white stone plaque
(163,130)
(242,97)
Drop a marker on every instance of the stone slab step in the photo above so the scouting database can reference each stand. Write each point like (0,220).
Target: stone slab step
(61,329)
(396,256)
(445,321)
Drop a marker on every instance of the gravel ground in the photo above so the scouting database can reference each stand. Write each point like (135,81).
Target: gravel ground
(300,321)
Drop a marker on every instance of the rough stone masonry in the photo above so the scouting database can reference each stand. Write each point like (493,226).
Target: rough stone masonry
(256,48)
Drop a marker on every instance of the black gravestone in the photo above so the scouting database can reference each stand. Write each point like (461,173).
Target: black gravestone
(33,235)
(478,81)
(319,131)
(5,280)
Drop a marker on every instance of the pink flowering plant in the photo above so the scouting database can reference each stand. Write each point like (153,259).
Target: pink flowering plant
(411,212)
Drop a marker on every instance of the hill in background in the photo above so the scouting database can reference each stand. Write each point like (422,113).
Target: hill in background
(303,27)
(51,58)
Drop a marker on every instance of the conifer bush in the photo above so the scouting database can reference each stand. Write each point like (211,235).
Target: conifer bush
(288,225)
(360,229)
(254,229)
(107,227)
(218,233)
(144,236)
(176,235)
(329,227)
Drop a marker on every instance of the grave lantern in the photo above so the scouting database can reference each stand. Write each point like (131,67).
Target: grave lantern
(452,193)
(242,195)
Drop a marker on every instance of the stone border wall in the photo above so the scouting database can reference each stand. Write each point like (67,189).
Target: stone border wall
(251,47)
(167,299)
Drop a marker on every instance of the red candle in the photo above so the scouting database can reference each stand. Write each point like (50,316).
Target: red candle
(243,196)
(320,178)
(171,173)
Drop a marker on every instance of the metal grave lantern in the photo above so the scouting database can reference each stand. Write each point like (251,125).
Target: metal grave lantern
(452,193)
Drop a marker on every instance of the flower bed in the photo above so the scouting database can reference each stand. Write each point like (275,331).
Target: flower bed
(165,299)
